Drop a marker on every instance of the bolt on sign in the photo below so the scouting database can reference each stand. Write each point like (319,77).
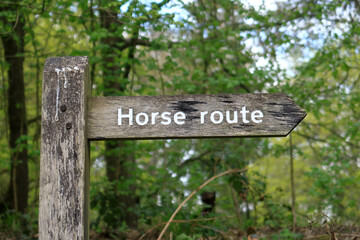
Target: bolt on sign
(71,118)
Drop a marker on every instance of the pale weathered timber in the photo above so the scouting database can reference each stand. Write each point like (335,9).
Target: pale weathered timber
(280,115)
(64,171)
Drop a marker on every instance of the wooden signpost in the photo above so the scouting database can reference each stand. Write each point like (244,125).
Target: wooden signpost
(71,118)
(192,116)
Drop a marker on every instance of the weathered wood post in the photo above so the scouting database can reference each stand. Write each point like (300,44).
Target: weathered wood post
(64,173)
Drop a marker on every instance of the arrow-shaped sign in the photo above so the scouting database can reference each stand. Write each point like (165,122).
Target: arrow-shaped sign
(193,116)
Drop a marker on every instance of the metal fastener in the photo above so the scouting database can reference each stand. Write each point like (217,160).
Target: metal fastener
(63,108)
(68,126)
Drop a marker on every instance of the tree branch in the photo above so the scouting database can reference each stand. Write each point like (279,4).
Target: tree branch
(33,120)
(192,159)
(233,75)
(193,193)
(143,42)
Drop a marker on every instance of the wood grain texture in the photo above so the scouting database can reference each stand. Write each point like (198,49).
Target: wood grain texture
(281,116)
(64,164)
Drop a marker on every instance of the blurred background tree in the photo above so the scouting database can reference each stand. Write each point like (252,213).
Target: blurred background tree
(307,49)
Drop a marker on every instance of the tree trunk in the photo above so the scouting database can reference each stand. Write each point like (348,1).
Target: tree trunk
(292,181)
(119,168)
(13,42)
(119,157)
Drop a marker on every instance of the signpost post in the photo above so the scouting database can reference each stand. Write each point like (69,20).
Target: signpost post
(71,118)
(64,157)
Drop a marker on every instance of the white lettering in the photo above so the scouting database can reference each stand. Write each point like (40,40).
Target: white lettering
(153,115)
(244,112)
(212,117)
(165,116)
(146,118)
(121,116)
(257,114)
(202,116)
(179,116)
(235,120)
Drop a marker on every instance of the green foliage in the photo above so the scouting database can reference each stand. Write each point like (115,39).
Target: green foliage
(286,234)
(17,225)
(183,236)
(306,49)
(277,215)
(105,199)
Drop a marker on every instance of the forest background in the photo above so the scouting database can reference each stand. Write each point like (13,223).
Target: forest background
(305,184)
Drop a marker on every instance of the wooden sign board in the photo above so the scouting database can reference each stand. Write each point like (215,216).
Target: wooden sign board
(71,118)
(193,116)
